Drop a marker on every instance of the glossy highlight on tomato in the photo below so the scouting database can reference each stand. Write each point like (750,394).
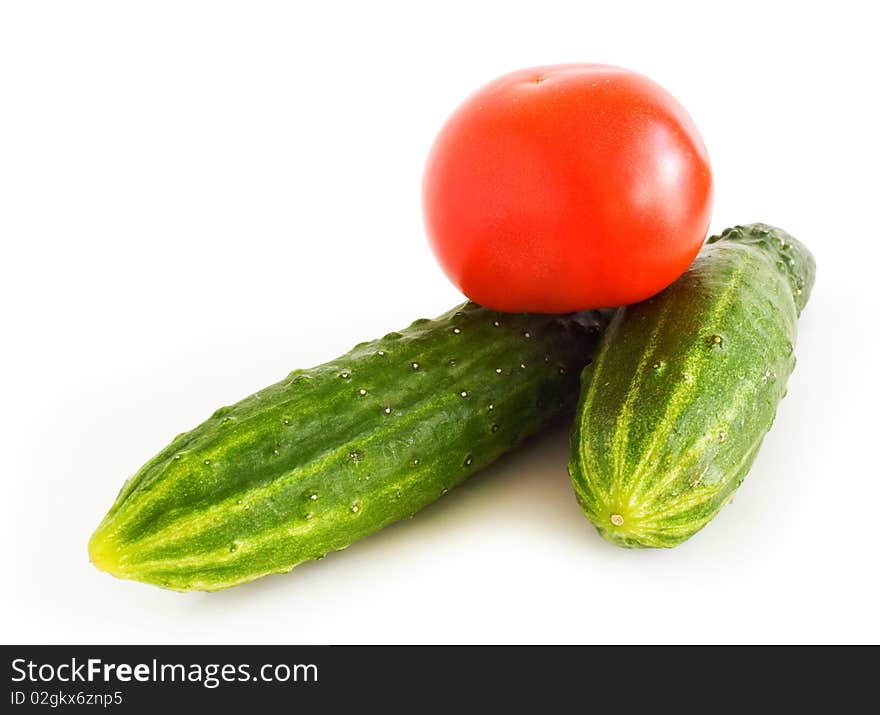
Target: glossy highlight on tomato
(567,187)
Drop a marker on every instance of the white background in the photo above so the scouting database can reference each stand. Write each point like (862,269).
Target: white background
(196,198)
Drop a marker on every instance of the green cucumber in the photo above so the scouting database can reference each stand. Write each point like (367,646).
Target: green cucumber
(685,386)
(334,453)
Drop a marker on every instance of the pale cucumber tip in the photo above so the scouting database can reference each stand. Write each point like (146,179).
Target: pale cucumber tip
(624,526)
(626,521)
(105,554)
(108,555)
(619,527)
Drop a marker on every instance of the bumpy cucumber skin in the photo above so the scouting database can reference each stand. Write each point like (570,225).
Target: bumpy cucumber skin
(685,386)
(334,453)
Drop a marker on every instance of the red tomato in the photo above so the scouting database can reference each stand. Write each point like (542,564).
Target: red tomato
(567,187)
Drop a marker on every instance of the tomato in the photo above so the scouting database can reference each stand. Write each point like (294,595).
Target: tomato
(567,187)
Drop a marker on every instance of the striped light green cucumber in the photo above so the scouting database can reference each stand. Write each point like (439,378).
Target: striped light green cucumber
(334,453)
(685,386)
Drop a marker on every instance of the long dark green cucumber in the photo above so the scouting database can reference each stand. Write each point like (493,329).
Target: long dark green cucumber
(685,386)
(334,453)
